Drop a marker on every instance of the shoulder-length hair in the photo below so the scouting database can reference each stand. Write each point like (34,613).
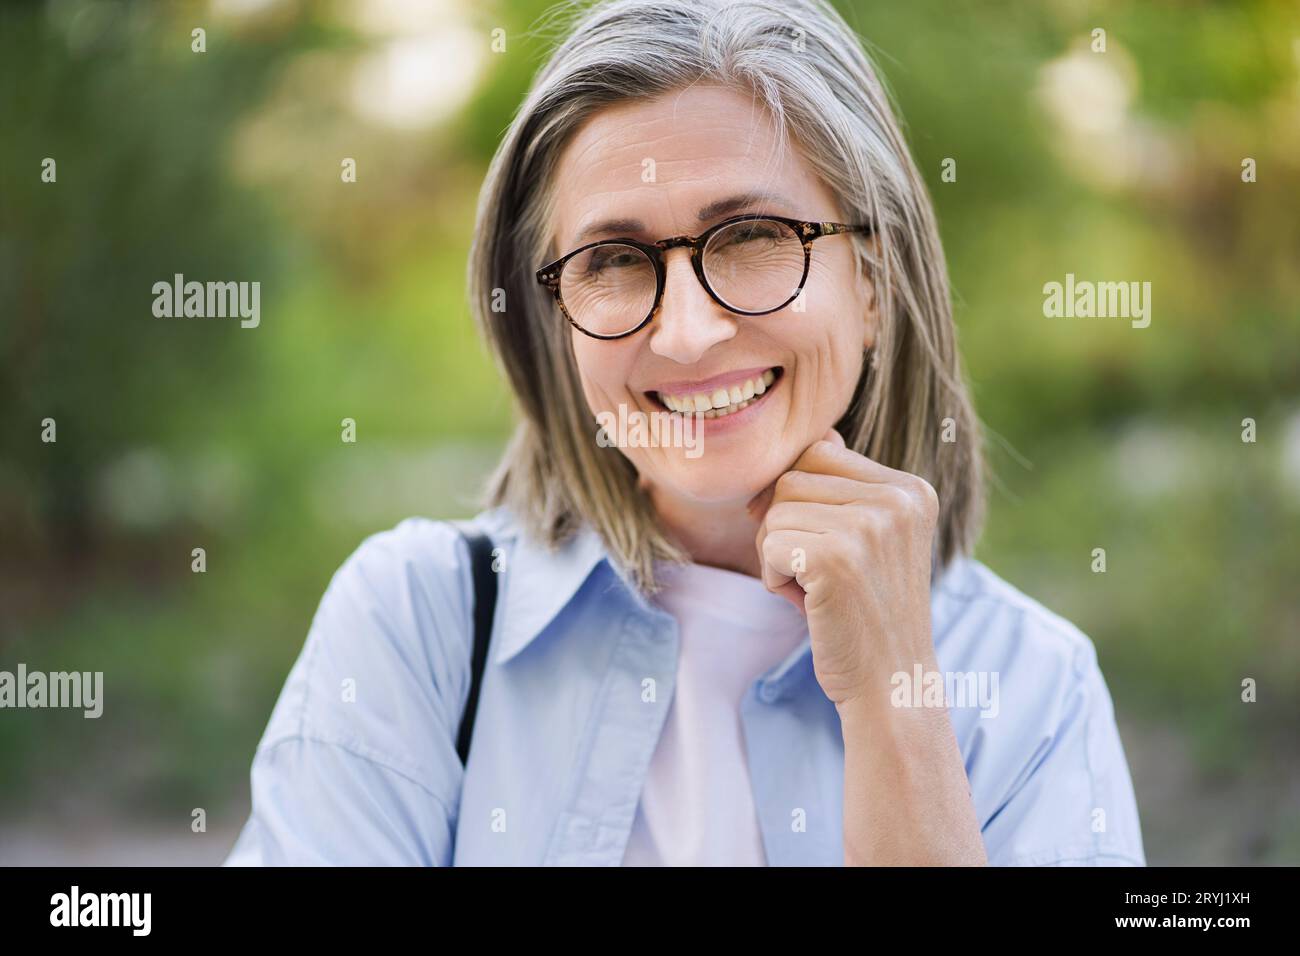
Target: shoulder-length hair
(802,62)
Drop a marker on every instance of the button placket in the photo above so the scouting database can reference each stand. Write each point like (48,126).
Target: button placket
(620,742)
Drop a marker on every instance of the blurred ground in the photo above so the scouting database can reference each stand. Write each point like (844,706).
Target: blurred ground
(1189,818)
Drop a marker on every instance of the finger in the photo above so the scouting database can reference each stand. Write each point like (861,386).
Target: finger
(844,502)
(833,492)
(811,517)
(777,555)
(758,505)
(814,486)
(793,593)
(802,536)
(829,457)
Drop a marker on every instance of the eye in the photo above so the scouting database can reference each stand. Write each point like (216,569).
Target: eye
(613,257)
(752,230)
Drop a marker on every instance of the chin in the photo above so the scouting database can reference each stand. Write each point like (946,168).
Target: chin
(712,480)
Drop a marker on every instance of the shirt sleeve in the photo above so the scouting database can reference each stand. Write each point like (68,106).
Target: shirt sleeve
(1070,801)
(358,764)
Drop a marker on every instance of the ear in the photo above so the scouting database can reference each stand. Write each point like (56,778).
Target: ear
(870,305)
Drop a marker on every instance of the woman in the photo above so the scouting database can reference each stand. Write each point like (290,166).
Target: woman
(764,643)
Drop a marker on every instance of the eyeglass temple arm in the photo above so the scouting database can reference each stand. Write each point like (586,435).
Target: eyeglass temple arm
(834,228)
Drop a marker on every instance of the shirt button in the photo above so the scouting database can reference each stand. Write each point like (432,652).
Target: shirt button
(768,693)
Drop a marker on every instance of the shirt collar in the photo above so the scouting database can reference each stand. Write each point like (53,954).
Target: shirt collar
(538,583)
(531,600)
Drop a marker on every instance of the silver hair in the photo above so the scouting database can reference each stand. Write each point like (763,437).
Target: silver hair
(809,70)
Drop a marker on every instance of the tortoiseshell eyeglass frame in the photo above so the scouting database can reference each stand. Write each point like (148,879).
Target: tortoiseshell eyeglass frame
(806,230)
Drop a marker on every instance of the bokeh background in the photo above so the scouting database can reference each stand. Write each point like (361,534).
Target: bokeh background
(181,433)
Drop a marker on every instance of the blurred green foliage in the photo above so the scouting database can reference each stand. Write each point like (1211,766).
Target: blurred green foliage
(175,434)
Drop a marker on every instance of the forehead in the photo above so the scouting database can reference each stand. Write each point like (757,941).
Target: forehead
(660,161)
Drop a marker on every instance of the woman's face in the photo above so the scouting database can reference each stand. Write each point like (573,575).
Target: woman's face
(697,147)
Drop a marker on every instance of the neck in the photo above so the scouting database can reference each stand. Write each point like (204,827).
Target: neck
(720,535)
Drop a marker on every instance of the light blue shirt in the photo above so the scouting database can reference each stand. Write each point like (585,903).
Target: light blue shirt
(358,764)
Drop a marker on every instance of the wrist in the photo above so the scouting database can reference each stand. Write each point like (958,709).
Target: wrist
(895,734)
(886,696)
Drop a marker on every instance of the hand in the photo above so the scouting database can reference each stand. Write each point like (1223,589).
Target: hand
(850,543)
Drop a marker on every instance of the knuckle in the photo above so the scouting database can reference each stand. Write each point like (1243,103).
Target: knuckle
(864,522)
(930,500)
(924,498)
(844,550)
(778,514)
(775,549)
(842,539)
(788,484)
(901,501)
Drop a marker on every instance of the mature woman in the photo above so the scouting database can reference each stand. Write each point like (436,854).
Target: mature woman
(764,642)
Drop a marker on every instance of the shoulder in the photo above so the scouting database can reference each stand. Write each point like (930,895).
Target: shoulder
(384,669)
(1043,755)
(419,545)
(978,616)
(415,573)
(410,585)
(1044,667)
(423,545)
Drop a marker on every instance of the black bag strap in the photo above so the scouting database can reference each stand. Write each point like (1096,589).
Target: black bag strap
(485,601)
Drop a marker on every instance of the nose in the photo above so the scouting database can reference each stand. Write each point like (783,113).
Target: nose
(689,322)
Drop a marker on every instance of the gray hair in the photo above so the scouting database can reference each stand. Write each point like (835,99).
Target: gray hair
(808,69)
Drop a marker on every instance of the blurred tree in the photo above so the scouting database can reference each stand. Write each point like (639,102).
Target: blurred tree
(137,126)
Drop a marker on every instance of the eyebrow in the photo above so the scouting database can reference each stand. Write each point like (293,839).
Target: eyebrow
(714,210)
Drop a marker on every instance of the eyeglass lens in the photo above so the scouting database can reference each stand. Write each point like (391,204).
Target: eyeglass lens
(752,266)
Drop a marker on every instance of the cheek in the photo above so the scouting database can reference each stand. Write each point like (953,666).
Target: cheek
(830,340)
(603,369)
(835,286)
(837,308)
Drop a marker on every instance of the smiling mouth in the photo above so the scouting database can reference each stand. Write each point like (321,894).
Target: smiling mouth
(721,402)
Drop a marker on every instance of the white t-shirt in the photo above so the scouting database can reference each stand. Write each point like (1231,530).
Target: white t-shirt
(697,808)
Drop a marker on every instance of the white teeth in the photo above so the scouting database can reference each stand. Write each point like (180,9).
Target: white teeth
(724,412)
(721,401)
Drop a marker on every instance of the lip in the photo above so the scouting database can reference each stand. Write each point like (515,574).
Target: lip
(736,419)
(710,384)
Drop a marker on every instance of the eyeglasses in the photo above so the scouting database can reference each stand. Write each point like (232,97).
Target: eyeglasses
(751,265)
